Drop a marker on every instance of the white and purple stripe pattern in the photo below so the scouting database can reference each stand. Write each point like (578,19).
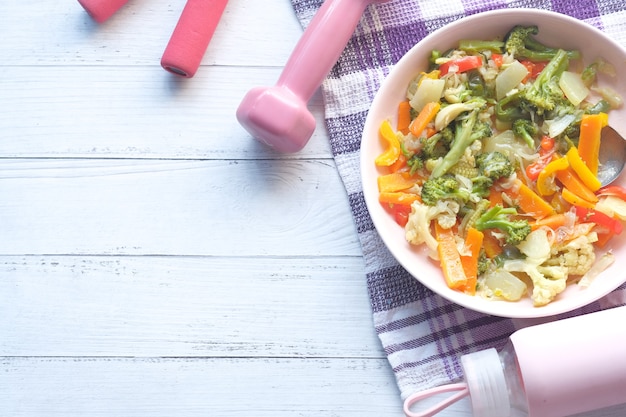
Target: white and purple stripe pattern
(422,333)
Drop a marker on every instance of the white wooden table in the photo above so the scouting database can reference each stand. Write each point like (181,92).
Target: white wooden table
(154,259)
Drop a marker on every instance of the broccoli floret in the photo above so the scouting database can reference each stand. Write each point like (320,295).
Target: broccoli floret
(500,218)
(437,145)
(484,263)
(544,94)
(521,43)
(467,130)
(526,130)
(494,165)
(481,185)
(443,188)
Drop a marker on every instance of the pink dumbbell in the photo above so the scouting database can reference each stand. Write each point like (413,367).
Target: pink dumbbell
(101,10)
(191,36)
(278,116)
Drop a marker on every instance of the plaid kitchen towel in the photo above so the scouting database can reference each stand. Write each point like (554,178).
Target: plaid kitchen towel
(423,334)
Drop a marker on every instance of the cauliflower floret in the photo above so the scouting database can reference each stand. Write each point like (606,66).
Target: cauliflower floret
(417,229)
(577,255)
(548,280)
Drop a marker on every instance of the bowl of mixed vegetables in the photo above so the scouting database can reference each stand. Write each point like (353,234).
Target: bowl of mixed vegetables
(480,161)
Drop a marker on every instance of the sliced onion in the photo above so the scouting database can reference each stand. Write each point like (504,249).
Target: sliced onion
(558,126)
(536,245)
(510,78)
(599,266)
(505,285)
(612,206)
(573,87)
(429,90)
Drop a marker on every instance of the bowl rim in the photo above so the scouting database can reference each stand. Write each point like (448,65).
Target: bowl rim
(373,120)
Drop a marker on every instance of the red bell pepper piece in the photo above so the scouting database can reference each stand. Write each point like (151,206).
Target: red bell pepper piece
(590,215)
(614,190)
(463,64)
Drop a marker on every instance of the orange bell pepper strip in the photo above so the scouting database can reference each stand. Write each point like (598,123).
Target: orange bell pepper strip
(392,145)
(582,170)
(396,181)
(398,197)
(529,201)
(575,200)
(473,244)
(589,140)
(495,197)
(492,244)
(424,117)
(553,222)
(399,164)
(404,116)
(450,259)
(570,180)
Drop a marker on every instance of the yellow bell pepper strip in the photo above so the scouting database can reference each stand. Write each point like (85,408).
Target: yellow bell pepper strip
(582,170)
(398,197)
(529,201)
(392,144)
(545,180)
(570,180)
(424,117)
(473,244)
(433,75)
(589,140)
(396,181)
(450,258)
(575,200)
(404,117)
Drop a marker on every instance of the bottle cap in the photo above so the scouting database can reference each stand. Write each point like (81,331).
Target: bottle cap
(487,386)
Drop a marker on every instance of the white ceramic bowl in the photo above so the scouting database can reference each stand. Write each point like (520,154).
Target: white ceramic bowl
(555,30)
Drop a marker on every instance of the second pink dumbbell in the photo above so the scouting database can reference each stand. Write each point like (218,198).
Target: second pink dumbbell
(278,116)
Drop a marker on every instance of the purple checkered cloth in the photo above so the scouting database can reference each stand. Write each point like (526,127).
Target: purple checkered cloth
(423,334)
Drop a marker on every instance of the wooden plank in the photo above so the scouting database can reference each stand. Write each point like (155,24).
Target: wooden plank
(185,306)
(237,387)
(136,112)
(139,207)
(61,33)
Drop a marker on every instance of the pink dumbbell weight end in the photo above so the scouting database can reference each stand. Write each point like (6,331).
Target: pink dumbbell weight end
(191,36)
(278,116)
(101,10)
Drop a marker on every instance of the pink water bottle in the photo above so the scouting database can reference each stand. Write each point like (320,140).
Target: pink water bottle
(555,369)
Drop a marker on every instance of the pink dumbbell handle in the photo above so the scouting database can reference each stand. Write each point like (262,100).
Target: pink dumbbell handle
(191,36)
(320,46)
(101,10)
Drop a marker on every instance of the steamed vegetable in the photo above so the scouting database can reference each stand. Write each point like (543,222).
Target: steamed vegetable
(493,167)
